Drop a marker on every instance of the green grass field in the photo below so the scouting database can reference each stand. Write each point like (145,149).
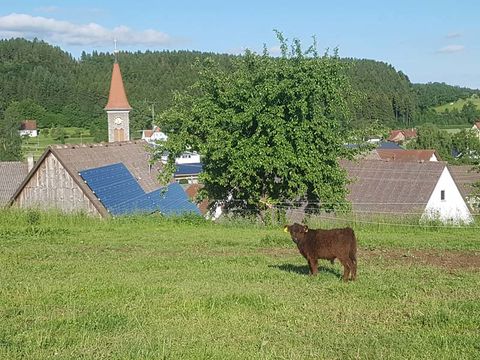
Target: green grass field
(458,104)
(151,288)
(36,145)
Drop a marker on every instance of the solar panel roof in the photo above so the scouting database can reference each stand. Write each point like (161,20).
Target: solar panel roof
(121,193)
(189,169)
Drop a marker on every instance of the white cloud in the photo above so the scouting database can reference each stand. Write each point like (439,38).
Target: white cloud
(451,49)
(275,50)
(67,33)
(454,35)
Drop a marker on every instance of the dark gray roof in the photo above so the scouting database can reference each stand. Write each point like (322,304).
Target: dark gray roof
(396,187)
(389,145)
(465,176)
(12,174)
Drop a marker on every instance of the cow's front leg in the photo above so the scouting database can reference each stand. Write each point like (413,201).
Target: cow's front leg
(313,265)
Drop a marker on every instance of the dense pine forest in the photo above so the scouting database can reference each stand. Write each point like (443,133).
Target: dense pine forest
(46,83)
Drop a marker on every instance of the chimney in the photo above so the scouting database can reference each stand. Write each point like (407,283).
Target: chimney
(30,162)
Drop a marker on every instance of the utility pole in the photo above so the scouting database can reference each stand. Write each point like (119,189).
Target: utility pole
(153,115)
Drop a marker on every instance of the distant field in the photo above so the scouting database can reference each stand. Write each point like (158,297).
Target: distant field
(457,104)
(36,146)
(452,129)
(149,288)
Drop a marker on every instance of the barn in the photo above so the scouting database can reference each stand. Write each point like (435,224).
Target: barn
(101,180)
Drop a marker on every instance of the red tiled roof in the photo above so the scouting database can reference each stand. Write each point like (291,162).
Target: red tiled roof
(117,98)
(394,134)
(398,135)
(407,155)
(28,125)
(410,133)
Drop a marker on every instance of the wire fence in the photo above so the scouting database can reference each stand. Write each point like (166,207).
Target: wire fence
(394,217)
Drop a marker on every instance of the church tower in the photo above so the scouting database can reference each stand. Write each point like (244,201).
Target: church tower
(118,108)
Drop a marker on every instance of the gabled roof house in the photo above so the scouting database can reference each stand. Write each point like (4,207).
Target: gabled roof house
(426,189)
(28,128)
(100,179)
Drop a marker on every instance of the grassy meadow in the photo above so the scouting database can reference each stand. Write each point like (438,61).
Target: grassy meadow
(458,104)
(74,287)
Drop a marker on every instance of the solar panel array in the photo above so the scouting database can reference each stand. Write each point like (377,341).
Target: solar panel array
(120,193)
(189,169)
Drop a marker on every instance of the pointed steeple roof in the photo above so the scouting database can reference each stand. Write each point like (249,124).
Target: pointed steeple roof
(117,99)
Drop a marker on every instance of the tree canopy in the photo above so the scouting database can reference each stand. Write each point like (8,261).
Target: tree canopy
(73,92)
(10,140)
(271,130)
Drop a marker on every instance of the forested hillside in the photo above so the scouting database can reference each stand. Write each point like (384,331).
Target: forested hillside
(48,84)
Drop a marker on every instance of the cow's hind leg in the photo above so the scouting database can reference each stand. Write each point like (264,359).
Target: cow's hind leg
(346,268)
(353,273)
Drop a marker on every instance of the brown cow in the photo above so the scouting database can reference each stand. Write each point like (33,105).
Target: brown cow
(326,244)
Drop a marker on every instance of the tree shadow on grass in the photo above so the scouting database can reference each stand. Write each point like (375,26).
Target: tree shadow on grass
(303,269)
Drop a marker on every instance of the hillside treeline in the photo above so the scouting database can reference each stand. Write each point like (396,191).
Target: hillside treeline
(51,86)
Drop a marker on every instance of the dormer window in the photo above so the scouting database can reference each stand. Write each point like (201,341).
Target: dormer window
(442,195)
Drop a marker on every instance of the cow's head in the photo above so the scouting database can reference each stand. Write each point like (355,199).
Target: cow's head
(297,231)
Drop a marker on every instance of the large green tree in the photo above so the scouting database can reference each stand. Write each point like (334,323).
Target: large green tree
(430,136)
(467,145)
(270,130)
(10,140)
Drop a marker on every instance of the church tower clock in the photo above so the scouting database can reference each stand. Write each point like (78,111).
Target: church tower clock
(118,108)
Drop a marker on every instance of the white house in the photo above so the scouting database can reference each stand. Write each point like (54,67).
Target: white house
(151,136)
(446,202)
(425,189)
(28,128)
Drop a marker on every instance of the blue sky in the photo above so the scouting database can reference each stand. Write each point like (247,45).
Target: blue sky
(428,40)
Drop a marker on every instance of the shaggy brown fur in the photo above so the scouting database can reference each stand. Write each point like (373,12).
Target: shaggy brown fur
(326,244)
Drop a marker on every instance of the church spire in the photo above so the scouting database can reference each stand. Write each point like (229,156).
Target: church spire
(117,98)
(117,106)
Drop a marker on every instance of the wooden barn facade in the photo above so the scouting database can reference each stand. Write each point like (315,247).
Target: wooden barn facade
(55,180)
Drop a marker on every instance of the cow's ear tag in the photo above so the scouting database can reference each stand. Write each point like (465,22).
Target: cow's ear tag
(285,229)
(306,228)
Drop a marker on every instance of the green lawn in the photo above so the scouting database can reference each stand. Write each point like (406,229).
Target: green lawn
(36,145)
(150,288)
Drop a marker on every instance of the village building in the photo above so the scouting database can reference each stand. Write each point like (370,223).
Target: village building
(154,135)
(101,180)
(408,155)
(412,189)
(401,136)
(28,128)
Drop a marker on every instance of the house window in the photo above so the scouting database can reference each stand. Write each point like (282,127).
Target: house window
(442,195)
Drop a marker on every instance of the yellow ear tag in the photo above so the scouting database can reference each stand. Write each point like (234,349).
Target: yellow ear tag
(285,229)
